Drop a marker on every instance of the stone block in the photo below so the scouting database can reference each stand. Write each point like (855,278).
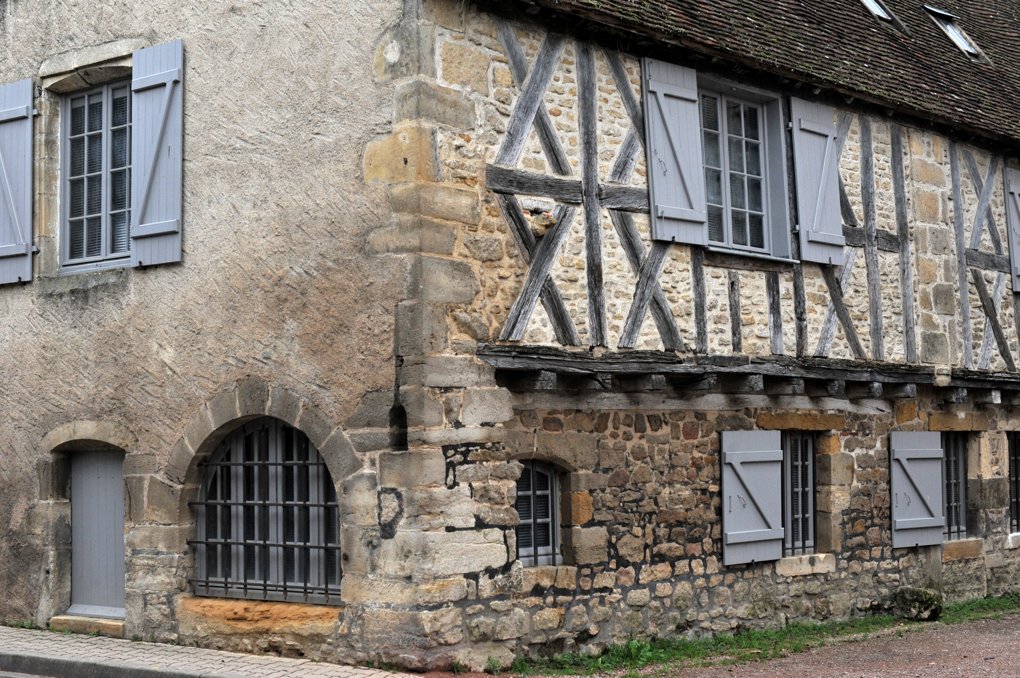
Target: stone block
(360,500)
(457,371)
(421,408)
(934,348)
(72,60)
(414,233)
(421,328)
(943,297)
(828,443)
(465,65)
(431,102)
(538,578)
(548,619)
(162,502)
(223,408)
(927,206)
(920,604)
(252,395)
(573,450)
(482,406)
(958,421)
(801,421)
(432,508)
(962,549)
(406,50)
(586,545)
(835,469)
(156,538)
(578,508)
(437,201)
(134,489)
(798,566)
(406,155)
(639,598)
(93,626)
(412,469)
(446,281)
(513,624)
(906,411)
(283,405)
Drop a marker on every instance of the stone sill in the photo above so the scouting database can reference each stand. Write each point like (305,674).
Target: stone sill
(962,549)
(114,628)
(1012,541)
(799,566)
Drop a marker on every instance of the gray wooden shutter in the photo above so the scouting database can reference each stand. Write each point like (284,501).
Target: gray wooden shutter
(916,485)
(752,487)
(817,170)
(157,136)
(676,169)
(1013,222)
(16,182)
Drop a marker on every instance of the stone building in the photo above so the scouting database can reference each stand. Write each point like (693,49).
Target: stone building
(431,331)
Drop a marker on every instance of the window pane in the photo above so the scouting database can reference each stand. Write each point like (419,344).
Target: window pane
(751,123)
(753,158)
(95,115)
(542,507)
(543,535)
(713,181)
(756,226)
(76,239)
(716,232)
(95,153)
(119,148)
(76,207)
(94,202)
(119,232)
(736,155)
(120,110)
(77,116)
(734,126)
(541,482)
(754,194)
(710,113)
(118,190)
(739,227)
(737,198)
(77,157)
(713,158)
(94,237)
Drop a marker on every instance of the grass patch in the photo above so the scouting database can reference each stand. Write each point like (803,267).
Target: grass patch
(751,645)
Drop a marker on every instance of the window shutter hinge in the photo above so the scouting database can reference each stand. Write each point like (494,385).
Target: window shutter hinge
(796,228)
(35,249)
(789,125)
(35,112)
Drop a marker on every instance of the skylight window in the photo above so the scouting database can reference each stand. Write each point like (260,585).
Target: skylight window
(878,9)
(947,22)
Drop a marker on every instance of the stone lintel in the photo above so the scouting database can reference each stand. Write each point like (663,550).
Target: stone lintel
(962,549)
(798,566)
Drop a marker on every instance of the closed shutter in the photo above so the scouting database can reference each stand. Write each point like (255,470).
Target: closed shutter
(1013,222)
(676,172)
(752,487)
(916,485)
(157,137)
(16,182)
(817,172)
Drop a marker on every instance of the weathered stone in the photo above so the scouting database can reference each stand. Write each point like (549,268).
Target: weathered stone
(801,421)
(920,604)
(639,597)
(412,469)
(430,102)
(486,406)
(464,65)
(436,201)
(406,155)
(962,549)
(797,566)
(547,619)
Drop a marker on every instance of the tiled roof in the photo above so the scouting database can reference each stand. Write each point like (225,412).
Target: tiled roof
(838,45)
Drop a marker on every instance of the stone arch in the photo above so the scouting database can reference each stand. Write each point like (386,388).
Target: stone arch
(79,434)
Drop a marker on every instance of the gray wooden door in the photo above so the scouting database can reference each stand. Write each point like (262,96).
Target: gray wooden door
(97,534)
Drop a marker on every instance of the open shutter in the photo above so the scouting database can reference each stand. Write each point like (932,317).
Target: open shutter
(16,182)
(676,170)
(817,172)
(916,485)
(1013,222)
(157,110)
(752,487)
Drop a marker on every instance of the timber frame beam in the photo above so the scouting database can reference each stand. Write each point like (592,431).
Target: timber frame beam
(522,368)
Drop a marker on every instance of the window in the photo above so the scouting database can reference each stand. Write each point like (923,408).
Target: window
(798,493)
(734,174)
(268,519)
(97,176)
(718,167)
(538,507)
(948,23)
(1014,482)
(878,9)
(954,481)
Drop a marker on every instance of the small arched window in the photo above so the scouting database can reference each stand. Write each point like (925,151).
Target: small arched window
(538,539)
(268,519)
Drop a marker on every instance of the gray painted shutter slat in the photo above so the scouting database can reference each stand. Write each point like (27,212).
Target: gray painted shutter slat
(816,167)
(752,483)
(916,485)
(676,172)
(1013,223)
(16,182)
(157,136)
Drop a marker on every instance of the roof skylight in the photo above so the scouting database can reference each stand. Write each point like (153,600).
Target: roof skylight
(878,9)
(948,23)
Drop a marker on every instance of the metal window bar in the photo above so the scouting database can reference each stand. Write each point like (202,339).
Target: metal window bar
(97,175)
(798,493)
(266,519)
(538,507)
(1014,482)
(954,491)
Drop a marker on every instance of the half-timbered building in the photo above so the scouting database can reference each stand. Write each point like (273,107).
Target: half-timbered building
(450,332)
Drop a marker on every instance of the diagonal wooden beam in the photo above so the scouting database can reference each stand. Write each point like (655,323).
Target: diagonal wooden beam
(523,115)
(541,264)
(986,344)
(647,283)
(547,136)
(985,188)
(829,323)
(845,208)
(836,293)
(630,102)
(552,302)
(989,308)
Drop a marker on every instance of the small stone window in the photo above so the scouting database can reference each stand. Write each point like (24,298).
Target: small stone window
(538,539)
(1014,482)
(268,519)
(954,482)
(798,493)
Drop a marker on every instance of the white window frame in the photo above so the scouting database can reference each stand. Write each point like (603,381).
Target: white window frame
(775,190)
(878,9)
(106,258)
(950,25)
(546,553)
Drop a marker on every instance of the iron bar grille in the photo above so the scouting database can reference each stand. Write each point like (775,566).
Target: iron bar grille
(268,519)
(798,493)
(537,505)
(1014,482)
(954,478)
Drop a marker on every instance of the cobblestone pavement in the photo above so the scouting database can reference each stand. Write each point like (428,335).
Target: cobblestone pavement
(46,653)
